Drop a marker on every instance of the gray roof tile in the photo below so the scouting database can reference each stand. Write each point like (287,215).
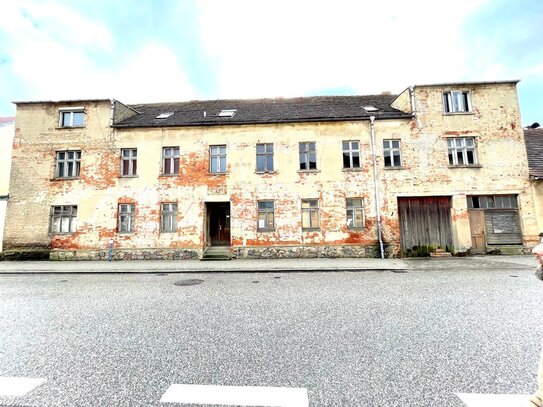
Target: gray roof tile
(259,111)
(534,148)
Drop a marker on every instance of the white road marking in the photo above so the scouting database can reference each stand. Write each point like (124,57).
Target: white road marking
(18,386)
(236,395)
(494,400)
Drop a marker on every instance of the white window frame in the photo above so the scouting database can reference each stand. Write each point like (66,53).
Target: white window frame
(354,209)
(453,149)
(70,111)
(350,151)
(63,214)
(168,217)
(132,159)
(389,150)
(311,206)
(307,150)
(217,157)
(62,165)
(170,155)
(126,218)
(457,101)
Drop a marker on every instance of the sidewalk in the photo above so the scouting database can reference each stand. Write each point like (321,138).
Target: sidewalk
(271,265)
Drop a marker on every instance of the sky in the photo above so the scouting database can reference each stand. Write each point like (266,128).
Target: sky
(163,51)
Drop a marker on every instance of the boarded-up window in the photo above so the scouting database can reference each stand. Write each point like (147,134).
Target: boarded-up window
(502,225)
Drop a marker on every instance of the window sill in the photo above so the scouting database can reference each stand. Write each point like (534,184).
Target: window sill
(64,178)
(466,166)
(394,168)
(355,169)
(265,230)
(168,175)
(168,232)
(265,172)
(61,233)
(458,113)
(217,173)
(69,127)
(311,229)
(308,171)
(128,176)
(357,229)
(124,233)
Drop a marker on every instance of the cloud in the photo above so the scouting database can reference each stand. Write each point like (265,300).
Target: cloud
(52,52)
(292,48)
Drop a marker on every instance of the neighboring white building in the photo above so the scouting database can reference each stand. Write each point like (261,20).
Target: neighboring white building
(7,131)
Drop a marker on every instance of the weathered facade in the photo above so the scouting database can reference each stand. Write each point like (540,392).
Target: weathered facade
(7,128)
(436,166)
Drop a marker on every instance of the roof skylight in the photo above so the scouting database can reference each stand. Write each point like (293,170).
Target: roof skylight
(370,108)
(164,115)
(227,112)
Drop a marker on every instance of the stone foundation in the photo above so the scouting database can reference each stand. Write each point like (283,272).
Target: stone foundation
(127,254)
(306,252)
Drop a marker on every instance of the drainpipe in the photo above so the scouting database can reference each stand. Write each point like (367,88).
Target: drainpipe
(112,112)
(376,185)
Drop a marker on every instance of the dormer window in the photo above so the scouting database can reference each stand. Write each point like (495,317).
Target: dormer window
(370,108)
(71,117)
(227,113)
(457,101)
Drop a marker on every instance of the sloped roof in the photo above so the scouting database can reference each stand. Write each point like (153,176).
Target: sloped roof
(534,148)
(260,111)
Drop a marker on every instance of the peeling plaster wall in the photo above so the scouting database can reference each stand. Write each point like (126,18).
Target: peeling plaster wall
(495,124)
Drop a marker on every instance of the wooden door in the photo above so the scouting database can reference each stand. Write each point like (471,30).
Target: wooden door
(477,227)
(425,221)
(219,224)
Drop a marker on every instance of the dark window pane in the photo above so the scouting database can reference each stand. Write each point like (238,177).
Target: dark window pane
(356,160)
(387,159)
(176,165)
(470,156)
(460,158)
(346,160)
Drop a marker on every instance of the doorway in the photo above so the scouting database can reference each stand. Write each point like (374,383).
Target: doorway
(218,223)
(477,228)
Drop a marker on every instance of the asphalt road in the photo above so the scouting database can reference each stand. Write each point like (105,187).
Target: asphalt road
(350,339)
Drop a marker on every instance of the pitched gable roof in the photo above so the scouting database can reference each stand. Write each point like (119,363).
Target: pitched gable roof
(534,149)
(261,111)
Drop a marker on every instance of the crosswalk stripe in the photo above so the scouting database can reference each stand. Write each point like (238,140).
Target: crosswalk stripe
(494,400)
(236,395)
(18,386)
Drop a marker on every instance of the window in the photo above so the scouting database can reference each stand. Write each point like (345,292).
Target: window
(264,157)
(126,218)
(168,220)
(170,160)
(63,219)
(266,215)
(456,101)
(308,156)
(227,113)
(217,159)
(129,162)
(310,213)
(492,202)
(71,117)
(391,153)
(355,213)
(351,154)
(68,164)
(462,151)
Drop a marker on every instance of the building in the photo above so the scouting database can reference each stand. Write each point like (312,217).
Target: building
(7,127)
(437,166)
(534,148)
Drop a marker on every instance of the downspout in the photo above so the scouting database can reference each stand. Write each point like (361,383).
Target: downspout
(376,185)
(112,113)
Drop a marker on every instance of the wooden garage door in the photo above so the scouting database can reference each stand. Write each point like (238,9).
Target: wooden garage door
(425,221)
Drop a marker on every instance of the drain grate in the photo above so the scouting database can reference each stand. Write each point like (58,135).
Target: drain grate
(192,281)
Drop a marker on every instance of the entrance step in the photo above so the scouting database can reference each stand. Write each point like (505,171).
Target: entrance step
(440,253)
(216,253)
